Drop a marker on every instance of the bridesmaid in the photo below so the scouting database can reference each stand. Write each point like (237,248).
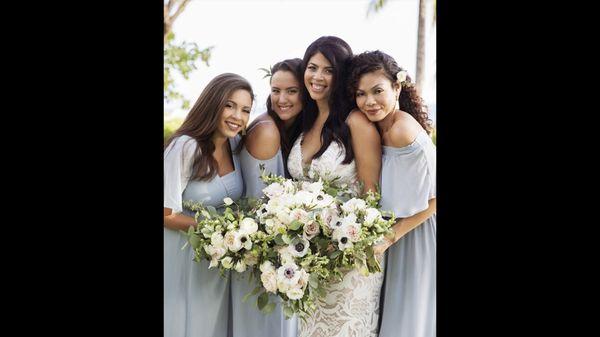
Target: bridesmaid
(388,98)
(268,141)
(199,165)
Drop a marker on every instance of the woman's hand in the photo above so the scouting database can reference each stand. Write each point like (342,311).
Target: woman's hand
(380,249)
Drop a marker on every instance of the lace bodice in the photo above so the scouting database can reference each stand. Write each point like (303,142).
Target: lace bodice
(351,307)
(328,165)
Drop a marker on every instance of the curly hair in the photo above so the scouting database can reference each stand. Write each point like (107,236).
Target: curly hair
(409,99)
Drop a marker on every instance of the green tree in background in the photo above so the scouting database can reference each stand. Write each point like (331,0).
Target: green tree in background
(178,58)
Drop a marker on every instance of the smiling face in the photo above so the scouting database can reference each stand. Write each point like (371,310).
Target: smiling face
(285,95)
(376,95)
(318,77)
(235,114)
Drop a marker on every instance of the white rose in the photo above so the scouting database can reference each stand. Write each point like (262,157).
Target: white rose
(311,229)
(248,226)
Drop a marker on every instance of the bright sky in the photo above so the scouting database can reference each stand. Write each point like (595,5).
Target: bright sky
(248,35)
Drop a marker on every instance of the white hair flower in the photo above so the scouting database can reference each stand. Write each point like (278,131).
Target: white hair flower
(401,76)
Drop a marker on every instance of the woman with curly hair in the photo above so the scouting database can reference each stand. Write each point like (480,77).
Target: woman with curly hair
(386,95)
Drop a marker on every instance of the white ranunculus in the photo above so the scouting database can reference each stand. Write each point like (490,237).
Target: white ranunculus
(228,201)
(274,205)
(240,266)
(227,262)
(232,241)
(354,205)
(295,293)
(269,280)
(248,226)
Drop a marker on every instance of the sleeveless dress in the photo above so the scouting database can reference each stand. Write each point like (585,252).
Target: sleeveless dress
(248,321)
(196,299)
(408,182)
(351,307)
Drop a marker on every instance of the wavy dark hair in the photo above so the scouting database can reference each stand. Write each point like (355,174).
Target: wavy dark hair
(409,99)
(203,119)
(287,137)
(339,54)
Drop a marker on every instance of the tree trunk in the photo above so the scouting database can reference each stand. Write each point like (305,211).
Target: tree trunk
(421,46)
(168,18)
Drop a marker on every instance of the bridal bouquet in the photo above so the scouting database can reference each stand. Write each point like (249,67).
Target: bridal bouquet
(229,240)
(314,233)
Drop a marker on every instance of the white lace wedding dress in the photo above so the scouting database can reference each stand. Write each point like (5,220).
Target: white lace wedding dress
(351,307)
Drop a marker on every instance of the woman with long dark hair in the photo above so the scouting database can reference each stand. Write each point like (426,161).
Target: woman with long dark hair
(336,145)
(200,165)
(385,94)
(268,141)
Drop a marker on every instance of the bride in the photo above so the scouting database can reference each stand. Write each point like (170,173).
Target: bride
(326,148)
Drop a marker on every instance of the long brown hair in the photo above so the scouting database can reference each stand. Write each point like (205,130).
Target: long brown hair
(409,99)
(202,121)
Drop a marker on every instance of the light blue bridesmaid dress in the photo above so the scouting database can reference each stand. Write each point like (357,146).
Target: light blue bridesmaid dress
(196,299)
(407,184)
(248,321)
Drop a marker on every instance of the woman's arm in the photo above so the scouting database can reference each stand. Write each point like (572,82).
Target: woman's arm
(366,144)
(405,225)
(176,221)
